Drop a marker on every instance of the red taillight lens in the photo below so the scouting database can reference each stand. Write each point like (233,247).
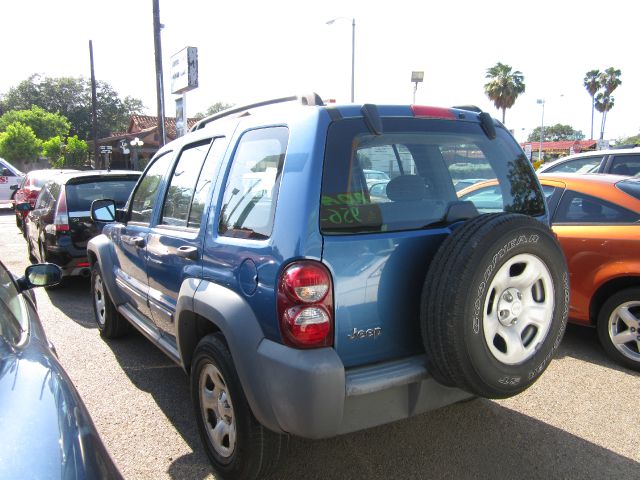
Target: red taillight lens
(61,218)
(305,305)
(432,112)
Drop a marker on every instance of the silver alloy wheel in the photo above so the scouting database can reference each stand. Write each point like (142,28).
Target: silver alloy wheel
(99,299)
(217,411)
(518,309)
(624,329)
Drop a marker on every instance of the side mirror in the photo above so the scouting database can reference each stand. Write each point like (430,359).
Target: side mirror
(23,207)
(40,275)
(13,187)
(103,210)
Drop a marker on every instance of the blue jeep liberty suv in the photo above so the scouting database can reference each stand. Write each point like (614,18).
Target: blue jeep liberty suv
(253,254)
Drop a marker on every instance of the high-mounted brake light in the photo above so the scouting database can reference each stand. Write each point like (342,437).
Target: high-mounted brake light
(305,305)
(61,218)
(432,112)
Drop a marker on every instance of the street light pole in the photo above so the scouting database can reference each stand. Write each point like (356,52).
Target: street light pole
(540,101)
(353,52)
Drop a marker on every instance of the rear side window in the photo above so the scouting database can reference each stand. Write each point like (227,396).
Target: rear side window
(630,187)
(423,159)
(250,195)
(579,208)
(578,165)
(182,184)
(625,165)
(80,196)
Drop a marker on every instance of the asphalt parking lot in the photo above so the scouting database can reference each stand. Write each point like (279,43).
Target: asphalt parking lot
(580,420)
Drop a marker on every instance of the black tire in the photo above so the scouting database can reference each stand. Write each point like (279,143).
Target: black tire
(111,323)
(485,283)
(32,257)
(256,450)
(624,328)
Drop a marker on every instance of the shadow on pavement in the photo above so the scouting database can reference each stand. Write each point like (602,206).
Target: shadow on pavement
(153,372)
(582,343)
(73,297)
(475,439)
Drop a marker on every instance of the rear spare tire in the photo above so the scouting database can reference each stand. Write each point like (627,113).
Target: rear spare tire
(494,305)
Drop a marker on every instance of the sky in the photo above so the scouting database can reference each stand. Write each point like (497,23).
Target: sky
(255,50)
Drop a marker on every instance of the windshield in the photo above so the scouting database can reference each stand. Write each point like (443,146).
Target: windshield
(424,160)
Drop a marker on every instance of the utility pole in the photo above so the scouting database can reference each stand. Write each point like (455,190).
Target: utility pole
(94,102)
(159,78)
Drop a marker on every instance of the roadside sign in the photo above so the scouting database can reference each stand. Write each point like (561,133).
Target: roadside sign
(527,151)
(105,148)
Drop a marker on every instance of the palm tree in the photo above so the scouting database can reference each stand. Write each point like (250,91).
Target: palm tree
(592,84)
(604,101)
(503,86)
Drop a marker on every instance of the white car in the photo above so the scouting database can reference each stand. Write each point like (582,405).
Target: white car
(9,177)
(621,161)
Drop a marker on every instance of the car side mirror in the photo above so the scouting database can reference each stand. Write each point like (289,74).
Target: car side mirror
(13,187)
(40,275)
(103,210)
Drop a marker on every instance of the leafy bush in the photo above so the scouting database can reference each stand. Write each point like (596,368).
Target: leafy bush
(460,171)
(18,142)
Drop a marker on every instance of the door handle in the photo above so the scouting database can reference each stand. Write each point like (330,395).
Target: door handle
(187,251)
(133,241)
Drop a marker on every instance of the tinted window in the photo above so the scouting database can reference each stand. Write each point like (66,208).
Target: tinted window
(579,208)
(45,199)
(251,190)
(630,187)
(625,165)
(80,196)
(423,159)
(578,165)
(182,184)
(146,193)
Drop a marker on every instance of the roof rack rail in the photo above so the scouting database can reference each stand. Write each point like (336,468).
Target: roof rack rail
(308,99)
(468,108)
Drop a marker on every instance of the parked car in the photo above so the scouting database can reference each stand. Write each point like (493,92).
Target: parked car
(29,188)
(10,176)
(46,429)
(465,182)
(59,226)
(298,303)
(597,220)
(623,161)
(372,176)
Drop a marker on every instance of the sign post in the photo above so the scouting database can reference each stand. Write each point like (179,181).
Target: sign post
(184,77)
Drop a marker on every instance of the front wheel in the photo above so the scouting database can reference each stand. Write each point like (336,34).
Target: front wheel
(110,323)
(238,446)
(619,327)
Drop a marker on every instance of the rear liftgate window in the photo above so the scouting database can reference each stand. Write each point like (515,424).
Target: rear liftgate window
(408,177)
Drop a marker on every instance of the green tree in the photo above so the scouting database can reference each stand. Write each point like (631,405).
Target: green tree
(555,133)
(73,154)
(71,98)
(504,86)
(592,84)
(76,152)
(52,149)
(604,101)
(18,142)
(44,124)
(213,109)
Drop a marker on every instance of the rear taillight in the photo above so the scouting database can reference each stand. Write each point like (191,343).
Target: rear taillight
(61,218)
(305,305)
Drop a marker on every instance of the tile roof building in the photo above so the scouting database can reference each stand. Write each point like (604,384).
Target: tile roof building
(145,128)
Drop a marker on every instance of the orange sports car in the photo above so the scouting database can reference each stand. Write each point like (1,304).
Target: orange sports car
(597,220)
